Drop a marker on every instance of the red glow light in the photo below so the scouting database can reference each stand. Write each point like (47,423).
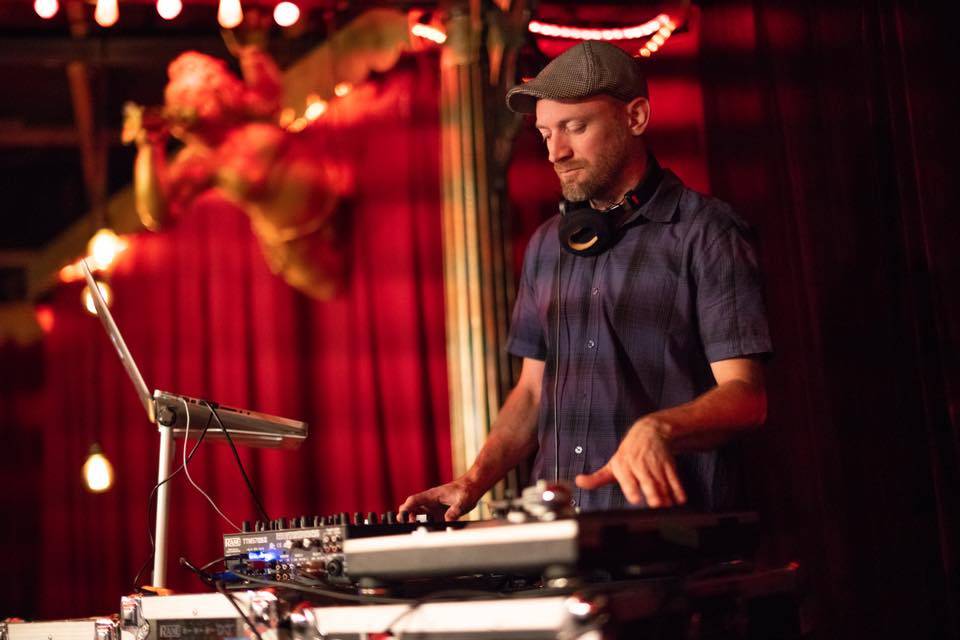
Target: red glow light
(45,318)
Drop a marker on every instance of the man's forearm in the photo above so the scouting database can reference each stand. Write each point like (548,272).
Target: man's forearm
(713,418)
(512,439)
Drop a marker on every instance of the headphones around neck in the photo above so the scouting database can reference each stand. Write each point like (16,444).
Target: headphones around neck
(585,231)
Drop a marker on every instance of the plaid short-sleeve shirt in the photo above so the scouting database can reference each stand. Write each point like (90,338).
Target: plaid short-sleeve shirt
(638,328)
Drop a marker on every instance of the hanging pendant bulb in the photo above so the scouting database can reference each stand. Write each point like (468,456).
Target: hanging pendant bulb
(97,471)
(229,14)
(106,13)
(169,9)
(46,9)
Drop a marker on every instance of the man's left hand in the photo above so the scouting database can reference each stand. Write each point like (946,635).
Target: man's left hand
(643,466)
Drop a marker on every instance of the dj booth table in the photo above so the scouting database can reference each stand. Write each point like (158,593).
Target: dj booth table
(757,604)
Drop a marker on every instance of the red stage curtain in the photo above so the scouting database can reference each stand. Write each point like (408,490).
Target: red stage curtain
(829,125)
(203,316)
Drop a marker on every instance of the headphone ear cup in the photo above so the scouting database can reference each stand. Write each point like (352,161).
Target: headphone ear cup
(587,232)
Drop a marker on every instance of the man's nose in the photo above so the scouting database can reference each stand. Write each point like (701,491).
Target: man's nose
(558,149)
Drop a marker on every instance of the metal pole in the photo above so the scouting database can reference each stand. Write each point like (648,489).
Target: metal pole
(160,532)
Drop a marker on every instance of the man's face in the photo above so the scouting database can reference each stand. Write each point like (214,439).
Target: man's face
(588,143)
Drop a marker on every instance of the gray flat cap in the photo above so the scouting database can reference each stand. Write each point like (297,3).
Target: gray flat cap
(584,70)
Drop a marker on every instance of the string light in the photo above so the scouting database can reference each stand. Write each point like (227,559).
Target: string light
(97,471)
(106,13)
(169,9)
(580,33)
(286,14)
(315,109)
(46,9)
(342,89)
(659,38)
(105,292)
(229,13)
(430,33)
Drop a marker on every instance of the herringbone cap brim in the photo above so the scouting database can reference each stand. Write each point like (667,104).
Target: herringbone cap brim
(587,69)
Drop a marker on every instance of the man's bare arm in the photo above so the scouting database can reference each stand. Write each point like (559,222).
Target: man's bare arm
(512,439)
(643,464)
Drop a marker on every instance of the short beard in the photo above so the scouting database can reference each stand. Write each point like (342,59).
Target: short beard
(601,177)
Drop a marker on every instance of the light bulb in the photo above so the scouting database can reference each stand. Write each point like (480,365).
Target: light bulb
(286,14)
(169,9)
(104,247)
(97,471)
(315,109)
(105,292)
(46,9)
(229,14)
(106,13)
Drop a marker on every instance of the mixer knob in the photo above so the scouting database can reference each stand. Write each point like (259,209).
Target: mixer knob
(371,518)
(357,517)
(258,526)
(245,526)
(389,518)
(343,518)
(334,568)
(317,521)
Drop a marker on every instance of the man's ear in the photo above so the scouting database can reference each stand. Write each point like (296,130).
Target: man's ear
(638,115)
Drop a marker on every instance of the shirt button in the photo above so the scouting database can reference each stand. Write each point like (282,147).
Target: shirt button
(591,344)
(596,291)
(578,449)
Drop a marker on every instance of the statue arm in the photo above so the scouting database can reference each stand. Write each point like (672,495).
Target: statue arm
(162,189)
(263,80)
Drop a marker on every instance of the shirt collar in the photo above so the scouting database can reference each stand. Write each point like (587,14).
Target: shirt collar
(663,205)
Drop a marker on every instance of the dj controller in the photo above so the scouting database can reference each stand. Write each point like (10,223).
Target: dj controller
(537,570)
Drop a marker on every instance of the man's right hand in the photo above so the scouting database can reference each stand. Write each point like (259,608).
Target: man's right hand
(448,501)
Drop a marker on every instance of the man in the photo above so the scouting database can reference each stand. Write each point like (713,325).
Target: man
(641,342)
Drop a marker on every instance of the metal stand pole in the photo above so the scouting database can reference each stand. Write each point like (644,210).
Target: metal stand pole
(160,532)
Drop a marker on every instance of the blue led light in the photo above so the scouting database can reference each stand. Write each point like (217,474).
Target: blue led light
(268,556)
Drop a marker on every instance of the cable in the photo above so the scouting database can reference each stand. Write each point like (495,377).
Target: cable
(556,379)
(236,455)
(186,470)
(153,492)
(319,591)
(218,585)
(233,556)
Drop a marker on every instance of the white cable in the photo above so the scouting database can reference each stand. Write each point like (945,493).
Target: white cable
(186,438)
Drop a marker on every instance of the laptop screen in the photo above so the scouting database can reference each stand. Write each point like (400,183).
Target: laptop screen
(103,312)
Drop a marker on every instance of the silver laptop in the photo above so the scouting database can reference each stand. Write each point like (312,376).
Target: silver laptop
(170,409)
